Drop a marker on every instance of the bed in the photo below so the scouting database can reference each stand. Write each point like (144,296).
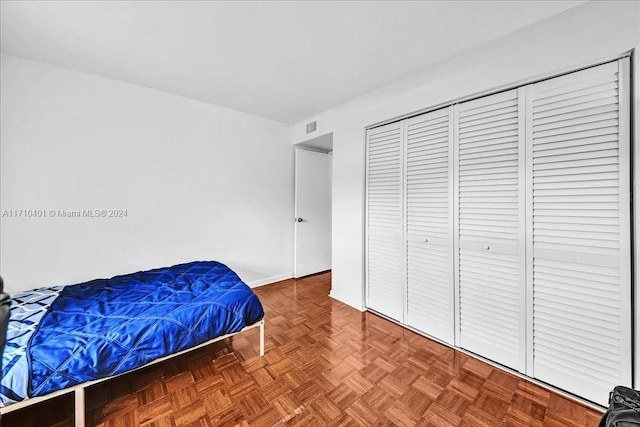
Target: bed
(63,339)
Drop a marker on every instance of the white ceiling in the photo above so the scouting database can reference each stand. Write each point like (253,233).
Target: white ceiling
(283,60)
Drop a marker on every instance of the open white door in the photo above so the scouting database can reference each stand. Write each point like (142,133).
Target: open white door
(312,213)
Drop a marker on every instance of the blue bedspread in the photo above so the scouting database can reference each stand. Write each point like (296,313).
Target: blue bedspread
(107,327)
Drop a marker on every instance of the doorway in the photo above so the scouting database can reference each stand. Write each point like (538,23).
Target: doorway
(312,216)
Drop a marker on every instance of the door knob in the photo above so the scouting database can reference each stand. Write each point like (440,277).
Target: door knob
(299,219)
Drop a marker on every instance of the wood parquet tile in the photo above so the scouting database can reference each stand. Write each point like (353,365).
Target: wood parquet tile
(326,364)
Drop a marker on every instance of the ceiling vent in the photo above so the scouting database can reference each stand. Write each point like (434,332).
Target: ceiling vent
(312,127)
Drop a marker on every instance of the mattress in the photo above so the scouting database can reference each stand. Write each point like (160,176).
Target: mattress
(62,336)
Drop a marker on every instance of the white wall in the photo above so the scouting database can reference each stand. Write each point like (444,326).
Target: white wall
(198,181)
(581,36)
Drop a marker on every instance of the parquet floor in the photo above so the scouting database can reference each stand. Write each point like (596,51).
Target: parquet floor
(325,364)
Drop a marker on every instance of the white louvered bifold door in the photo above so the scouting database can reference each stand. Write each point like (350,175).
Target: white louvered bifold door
(579,257)
(429,186)
(385,225)
(490,217)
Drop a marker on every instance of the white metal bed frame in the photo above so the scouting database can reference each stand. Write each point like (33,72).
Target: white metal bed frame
(78,390)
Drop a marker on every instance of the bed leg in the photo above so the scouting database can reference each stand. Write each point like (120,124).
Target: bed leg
(262,338)
(79,404)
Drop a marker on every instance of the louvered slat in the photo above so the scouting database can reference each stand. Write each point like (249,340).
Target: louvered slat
(385,272)
(428,219)
(581,291)
(490,272)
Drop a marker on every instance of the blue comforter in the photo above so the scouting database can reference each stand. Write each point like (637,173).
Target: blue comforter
(107,327)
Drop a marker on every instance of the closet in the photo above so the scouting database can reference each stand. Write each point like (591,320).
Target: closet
(429,199)
(501,225)
(385,259)
(490,214)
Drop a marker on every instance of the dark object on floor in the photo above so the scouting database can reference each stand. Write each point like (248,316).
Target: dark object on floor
(624,408)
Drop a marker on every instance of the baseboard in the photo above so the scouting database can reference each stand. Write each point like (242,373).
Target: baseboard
(351,302)
(269,280)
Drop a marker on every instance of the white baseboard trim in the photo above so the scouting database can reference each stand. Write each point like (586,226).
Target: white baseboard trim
(269,280)
(358,305)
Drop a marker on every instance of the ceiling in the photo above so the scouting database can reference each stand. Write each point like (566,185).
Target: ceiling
(283,60)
